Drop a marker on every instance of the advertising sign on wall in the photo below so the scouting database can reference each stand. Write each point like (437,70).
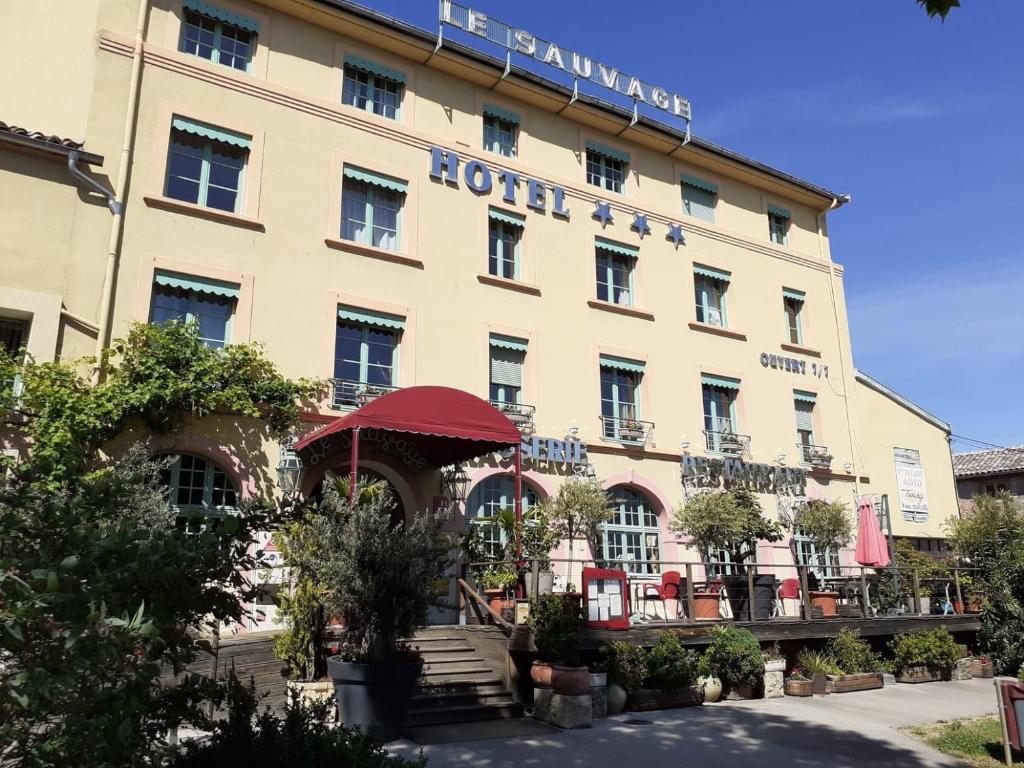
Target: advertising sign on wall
(910,483)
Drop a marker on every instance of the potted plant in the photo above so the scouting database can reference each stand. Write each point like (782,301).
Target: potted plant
(540,537)
(732,521)
(671,677)
(797,683)
(820,458)
(860,667)
(498,582)
(830,526)
(627,668)
(556,624)
(924,656)
(981,666)
(735,656)
(818,667)
(579,509)
(711,683)
(382,578)
(630,429)
(731,443)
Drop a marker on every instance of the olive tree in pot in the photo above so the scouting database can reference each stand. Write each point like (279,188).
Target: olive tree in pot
(578,511)
(556,624)
(379,575)
(734,522)
(830,526)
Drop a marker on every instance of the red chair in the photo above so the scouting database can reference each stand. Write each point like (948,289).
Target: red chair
(789,589)
(669,589)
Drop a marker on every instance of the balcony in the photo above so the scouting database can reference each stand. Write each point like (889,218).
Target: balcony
(817,456)
(519,414)
(722,438)
(348,394)
(626,429)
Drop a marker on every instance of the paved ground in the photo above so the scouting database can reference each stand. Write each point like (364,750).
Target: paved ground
(839,731)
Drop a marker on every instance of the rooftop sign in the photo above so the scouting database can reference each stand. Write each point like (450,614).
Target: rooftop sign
(569,61)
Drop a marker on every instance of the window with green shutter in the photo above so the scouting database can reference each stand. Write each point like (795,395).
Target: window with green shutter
(217,35)
(793,305)
(778,224)
(710,286)
(210,304)
(699,198)
(372,87)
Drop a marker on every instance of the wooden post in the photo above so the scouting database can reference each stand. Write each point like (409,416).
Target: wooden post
(916,582)
(959,594)
(535,573)
(354,466)
(750,593)
(1007,753)
(689,593)
(805,591)
(863,593)
(213,663)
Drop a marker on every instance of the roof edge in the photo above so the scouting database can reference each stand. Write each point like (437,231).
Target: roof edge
(896,397)
(42,146)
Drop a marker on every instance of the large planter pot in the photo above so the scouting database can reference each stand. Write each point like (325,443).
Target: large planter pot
(798,687)
(712,689)
(981,668)
(706,606)
(545,583)
(374,696)
(648,699)
(540,673)
(819,684)
(921,675)
(739,596)
(861,681)
(570,681)
(826,601)
(741,691)
(616,698)
(926,605)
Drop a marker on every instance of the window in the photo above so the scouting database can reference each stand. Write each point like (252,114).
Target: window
(793,304)
(803,403)
(505,231)
(615,264)
(206,165)
(994,489)
(218,36)
(719,395)
(506,369)
(372,88)
(632,537)
(210,304)
(13,335)
(500,127)
(719,562)
(620,398)
(365,355)
(823,564)
(606,167)
(486,501)
(198,490)
(709,287)
(778,225)
(699,198)
(371,208)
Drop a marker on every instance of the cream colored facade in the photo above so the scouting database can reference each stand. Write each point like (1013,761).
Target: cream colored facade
(284,251)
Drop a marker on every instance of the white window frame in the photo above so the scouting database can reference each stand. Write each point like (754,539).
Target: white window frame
(606,172)
(710,300)
(374,82)
(371,193)
(608,261)
(502,228)
(496,129)
(218,36)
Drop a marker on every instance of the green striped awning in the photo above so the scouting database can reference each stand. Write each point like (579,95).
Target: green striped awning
(790,293)
(622,364)
(210,132)
(508,342)
(804,397)
(377,179)
(714,274)
(693,181)
(506,217)
(235,19)
(388,73)
(614,154)
(502,114)
(369,317)
(198,284)
(619,248)
(724,382)
(778,211)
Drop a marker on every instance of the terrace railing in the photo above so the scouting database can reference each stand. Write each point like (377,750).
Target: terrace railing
(626,429)
(817,456)
(519,414)
(723,438)
(346,393)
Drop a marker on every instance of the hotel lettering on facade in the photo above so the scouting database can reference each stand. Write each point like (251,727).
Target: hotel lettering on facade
(663,314)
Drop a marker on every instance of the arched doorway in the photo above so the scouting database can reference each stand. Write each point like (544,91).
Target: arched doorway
(488,497)
(367,477)
(632,537)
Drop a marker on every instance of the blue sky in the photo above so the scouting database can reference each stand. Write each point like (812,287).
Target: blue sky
(919,121)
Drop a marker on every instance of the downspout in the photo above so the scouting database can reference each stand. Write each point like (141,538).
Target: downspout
(117,225)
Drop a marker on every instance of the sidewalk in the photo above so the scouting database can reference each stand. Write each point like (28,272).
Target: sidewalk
(840,731)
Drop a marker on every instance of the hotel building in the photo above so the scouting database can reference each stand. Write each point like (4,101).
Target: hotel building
(378,211)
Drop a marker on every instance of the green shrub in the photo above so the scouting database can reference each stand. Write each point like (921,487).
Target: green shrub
(626,664)
(670,665)
(935,649)
(556,622)
(302,736)
(812,663)
(852,654)
(735,656)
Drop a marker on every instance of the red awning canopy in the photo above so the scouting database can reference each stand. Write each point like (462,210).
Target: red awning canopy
(449,425)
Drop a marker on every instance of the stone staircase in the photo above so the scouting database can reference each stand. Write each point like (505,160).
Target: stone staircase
(463,678)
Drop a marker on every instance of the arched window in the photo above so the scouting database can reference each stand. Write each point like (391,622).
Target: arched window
(486,500)
(198,485)
(632,536)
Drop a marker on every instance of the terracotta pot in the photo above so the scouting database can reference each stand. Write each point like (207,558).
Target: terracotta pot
(798,687)
(826,601)
(712,689)
(570,681)
(706,605)
(540,673)
(981,668)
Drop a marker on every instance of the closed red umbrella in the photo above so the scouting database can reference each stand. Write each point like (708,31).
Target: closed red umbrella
(872,548)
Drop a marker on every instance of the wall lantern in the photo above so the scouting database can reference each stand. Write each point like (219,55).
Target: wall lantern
(454,482)
(289,469)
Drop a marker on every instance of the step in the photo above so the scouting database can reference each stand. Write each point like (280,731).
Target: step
(448,700)
(462,672)
(454,665)
(472,684)
(466,714)
(445,646)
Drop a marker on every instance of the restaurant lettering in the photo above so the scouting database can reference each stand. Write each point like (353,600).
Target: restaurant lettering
(713,472)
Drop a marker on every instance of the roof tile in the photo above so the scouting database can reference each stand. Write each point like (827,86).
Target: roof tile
(994,462)
(51,139)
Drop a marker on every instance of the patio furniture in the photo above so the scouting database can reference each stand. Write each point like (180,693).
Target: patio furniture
(669,589)
(789,589)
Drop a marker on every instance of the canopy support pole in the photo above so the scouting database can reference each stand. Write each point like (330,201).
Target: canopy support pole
(353,466)
(519,502)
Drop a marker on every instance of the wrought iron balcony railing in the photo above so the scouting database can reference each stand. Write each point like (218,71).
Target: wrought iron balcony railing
(346,393)
(519,414)
(727,442)
(815,455)
(626,430)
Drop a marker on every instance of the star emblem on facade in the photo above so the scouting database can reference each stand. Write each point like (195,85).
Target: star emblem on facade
(675,234)
(640,224)
(603,213)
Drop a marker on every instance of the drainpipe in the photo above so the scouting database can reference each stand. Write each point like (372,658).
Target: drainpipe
(117,207)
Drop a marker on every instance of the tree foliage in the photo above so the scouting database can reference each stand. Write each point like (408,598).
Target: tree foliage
(731,520)
(578,510)
(938,8)
(828,523)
